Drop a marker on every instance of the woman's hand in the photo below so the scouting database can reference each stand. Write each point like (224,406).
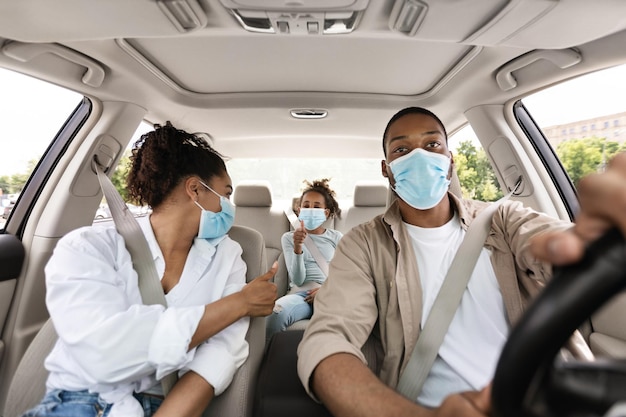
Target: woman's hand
(260,294)
(255,299)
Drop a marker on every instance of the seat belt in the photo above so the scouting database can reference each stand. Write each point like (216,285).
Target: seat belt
(308,242)
(136,243)
(447,302)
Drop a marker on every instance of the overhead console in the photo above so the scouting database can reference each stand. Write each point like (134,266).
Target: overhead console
(303,17)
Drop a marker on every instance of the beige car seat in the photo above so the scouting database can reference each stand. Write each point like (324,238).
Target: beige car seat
(28,384)
(369,200)
(255,210)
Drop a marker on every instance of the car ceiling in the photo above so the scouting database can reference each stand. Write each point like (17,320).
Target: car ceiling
(240,86)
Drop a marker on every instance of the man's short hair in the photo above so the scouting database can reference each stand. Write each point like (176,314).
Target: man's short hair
(412,110)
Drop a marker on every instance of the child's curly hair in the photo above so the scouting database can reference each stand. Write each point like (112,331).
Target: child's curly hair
(321,186)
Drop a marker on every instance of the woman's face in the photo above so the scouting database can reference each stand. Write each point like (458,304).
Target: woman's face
(313,199)
(223,186)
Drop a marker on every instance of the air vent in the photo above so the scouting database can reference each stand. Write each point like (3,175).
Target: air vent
(309,113)
(298,18)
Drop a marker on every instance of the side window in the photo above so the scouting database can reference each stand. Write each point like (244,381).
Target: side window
(584,120)
(478,181)
(119,179)
(31,114)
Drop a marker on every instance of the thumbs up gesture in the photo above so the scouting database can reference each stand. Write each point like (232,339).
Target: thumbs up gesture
(260,294)
(298,238)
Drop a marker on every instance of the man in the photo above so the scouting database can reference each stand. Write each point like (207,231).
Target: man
(386,273)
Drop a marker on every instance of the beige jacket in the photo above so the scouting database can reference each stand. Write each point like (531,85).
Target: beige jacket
(373,289)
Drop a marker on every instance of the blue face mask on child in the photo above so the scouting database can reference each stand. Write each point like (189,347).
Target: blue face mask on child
(312,217)
(421,178)
(213,225)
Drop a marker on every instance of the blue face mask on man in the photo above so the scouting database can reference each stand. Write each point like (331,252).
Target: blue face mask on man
(312,217)
(421,178)
(213,225)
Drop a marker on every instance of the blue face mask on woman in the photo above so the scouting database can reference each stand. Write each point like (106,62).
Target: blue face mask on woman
(421,178)
(213,225)
(312,217)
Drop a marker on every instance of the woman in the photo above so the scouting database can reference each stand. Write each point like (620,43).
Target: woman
(317,204)
(113,350)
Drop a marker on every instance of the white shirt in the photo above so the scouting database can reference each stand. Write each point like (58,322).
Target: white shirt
(470,350)
(111,343)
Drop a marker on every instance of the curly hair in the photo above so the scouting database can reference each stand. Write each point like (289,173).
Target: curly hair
(162,158)
(321,186)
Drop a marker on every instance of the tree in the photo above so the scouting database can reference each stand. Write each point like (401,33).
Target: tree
(15,183)
(478,181)
(119,176)
(5,184)
(584,156)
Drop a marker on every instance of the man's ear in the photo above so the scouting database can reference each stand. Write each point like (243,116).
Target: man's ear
(383,167)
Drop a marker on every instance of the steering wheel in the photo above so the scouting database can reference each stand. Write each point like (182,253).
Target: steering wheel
(530,381)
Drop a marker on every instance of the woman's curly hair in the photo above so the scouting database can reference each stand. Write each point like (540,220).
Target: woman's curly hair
(321,186)
(164,157)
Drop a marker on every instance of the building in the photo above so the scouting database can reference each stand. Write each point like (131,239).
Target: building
(612,127)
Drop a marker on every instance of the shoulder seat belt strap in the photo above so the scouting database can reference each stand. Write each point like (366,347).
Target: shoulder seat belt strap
(447,302)
(136,243)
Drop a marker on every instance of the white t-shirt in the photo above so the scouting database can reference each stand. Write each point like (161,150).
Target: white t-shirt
(470,350)
(111,343)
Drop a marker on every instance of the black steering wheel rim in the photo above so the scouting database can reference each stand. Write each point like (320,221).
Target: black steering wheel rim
(571,296)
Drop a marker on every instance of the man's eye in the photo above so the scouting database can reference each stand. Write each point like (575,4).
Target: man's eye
(400,149)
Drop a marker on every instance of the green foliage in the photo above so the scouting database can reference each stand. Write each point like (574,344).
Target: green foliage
(14,184)
(584,156)
(119,176)
(478,181)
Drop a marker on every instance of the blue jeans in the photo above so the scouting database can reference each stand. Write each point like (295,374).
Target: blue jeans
(289,309)
(58,403)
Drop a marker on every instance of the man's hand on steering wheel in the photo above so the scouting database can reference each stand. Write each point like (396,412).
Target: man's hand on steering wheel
(602,199)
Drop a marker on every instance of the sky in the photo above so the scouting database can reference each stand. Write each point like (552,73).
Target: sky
(598,94)
(32,111)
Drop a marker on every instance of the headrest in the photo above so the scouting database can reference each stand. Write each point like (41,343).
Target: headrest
(370,194)
(253,194)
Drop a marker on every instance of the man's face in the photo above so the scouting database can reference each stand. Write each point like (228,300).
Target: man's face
(410,132)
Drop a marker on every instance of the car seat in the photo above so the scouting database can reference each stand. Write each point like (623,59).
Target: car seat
(369,200)
(28,384)
(255,210)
